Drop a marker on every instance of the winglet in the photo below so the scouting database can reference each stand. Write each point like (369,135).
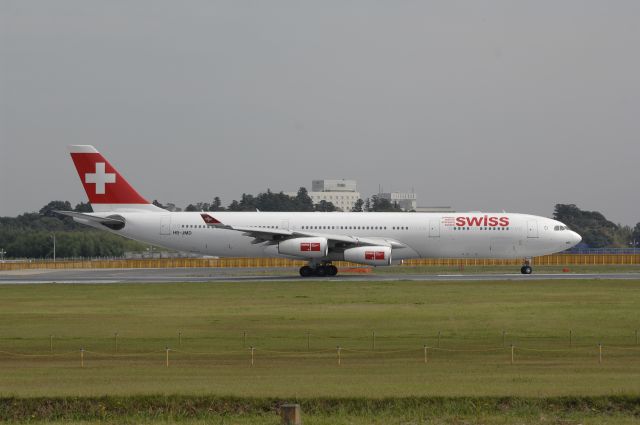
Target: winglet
(209,220)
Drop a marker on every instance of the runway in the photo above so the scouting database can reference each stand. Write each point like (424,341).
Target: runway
(106,276)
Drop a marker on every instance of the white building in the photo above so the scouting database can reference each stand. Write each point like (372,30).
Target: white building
(343,194)
(406,201)
(329,185)
(435,209)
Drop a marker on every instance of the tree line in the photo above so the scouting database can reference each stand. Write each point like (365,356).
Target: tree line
(31,235)
(595,229)
(279,201)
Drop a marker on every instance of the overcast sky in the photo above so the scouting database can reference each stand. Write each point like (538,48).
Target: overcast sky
(481,105)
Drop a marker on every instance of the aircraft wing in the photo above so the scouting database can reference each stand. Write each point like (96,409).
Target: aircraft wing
(264,234)
(353,240)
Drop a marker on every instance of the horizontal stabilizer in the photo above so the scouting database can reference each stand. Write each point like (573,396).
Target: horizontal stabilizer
(114,222)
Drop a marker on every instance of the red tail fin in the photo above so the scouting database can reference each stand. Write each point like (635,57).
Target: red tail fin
(106,188)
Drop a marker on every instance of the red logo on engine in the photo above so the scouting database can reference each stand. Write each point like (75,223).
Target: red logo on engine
(309,246)
(374,255)
(486,220)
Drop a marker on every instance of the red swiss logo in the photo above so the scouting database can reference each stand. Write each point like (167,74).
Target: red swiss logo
(309,246)
(208,219)
(374,255)
(486,220)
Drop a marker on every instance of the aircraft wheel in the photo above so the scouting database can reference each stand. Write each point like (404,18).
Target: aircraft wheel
(306,271)
(526,270)
(321,271)
(332,270)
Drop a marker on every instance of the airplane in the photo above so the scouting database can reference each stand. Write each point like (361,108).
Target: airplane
(320,238)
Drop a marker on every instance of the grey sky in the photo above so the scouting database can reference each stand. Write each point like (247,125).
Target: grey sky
(479,105)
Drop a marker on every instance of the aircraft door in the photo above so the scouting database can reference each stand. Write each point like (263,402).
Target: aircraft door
(434,228)
(165,225)
(284,224)
(532,229)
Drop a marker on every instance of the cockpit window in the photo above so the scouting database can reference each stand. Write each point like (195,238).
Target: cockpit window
(560,228)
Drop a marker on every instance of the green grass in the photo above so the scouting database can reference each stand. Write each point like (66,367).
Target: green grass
(208,409)
(276,316)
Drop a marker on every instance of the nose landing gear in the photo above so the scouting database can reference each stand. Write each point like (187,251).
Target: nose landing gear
(526,266)
(324,269)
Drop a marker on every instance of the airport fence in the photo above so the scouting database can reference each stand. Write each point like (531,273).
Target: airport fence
(577,250)
(343,351)
(153,263)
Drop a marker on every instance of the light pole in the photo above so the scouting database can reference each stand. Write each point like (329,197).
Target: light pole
(53,235)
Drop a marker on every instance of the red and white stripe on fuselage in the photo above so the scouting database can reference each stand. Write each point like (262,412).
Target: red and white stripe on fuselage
(106,189)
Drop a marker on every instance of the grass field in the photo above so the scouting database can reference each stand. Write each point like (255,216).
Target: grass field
(212,358)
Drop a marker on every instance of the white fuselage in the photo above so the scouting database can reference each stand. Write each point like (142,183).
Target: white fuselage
(422,235)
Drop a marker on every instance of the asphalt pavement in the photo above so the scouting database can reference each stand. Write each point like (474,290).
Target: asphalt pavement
(97,276)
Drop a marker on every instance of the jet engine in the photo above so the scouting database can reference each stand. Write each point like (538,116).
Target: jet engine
(304,247)
(371,255)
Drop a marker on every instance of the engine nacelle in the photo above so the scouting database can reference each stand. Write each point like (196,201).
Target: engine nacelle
(371,255)
(304,247)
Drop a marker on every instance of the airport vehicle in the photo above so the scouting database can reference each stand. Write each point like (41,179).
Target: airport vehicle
(370,238)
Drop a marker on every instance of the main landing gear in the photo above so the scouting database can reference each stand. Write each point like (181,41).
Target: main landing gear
(526,266)
(324,269)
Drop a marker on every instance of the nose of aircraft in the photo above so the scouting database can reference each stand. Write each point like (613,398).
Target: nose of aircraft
(575,238)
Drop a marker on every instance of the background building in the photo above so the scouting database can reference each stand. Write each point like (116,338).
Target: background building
(406,201)
(342,193)
(435,209)
(329,185)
